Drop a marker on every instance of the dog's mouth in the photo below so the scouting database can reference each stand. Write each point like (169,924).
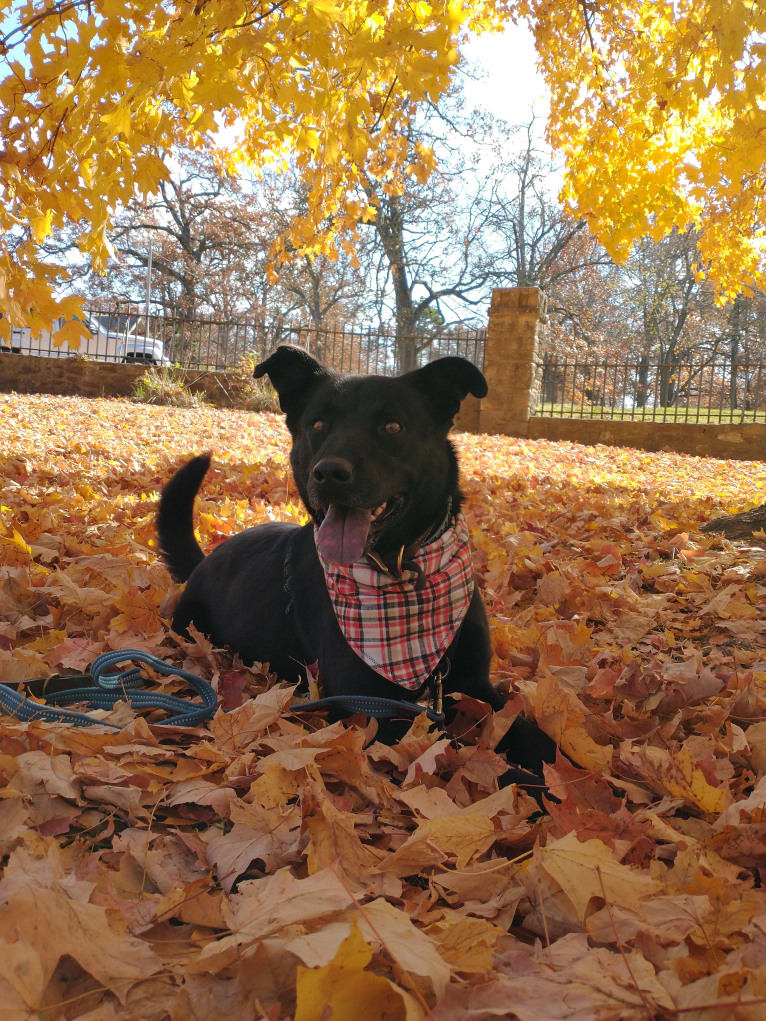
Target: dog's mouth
(346,533)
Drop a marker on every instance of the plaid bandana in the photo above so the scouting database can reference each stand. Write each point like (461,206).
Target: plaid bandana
(401,631)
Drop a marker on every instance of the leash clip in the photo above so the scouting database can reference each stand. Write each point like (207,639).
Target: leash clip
(437,694)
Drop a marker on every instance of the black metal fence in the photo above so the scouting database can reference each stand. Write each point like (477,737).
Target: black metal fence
(708,389)
(129,334)
(381,351)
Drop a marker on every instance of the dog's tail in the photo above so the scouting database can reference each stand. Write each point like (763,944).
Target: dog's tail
(175,521)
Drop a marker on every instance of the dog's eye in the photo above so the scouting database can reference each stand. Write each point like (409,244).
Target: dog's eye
(391,428)
(319,425)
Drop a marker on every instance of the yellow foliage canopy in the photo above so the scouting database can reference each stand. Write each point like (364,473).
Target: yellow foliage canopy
(660,110)
(94,95)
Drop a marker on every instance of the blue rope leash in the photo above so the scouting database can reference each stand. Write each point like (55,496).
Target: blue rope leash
(108,688)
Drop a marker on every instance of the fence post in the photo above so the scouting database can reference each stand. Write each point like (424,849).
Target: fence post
(513,359)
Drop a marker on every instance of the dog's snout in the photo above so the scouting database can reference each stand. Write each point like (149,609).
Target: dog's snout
(335,470)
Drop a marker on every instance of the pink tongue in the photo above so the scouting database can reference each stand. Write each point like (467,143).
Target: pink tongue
(342,536)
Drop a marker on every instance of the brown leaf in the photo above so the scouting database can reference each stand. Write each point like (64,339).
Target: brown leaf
(588,872)
(38,910)
(265,906)
(566,982)
(459,838)
(268,835)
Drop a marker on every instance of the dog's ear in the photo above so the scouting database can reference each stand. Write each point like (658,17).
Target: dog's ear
(444,383)
(294,374)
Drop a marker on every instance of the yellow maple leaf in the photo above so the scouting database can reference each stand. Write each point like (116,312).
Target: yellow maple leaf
(344,991)
(71,333)
(687,781)
(118,121)
(17,542)
(41,224)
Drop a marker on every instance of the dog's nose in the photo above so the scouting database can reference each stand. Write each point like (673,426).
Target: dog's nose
(333,469)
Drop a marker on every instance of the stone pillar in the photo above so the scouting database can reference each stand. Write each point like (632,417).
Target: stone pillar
(513,359)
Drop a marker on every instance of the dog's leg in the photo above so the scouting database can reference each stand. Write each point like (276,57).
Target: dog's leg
(470,657)
(189,612)
(524,745)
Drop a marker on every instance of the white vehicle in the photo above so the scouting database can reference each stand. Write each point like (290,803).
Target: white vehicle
(143,350)
(109,338)
(22,342)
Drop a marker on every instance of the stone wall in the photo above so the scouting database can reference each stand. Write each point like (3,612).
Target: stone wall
(737,442)
(32,374)
(83,378)
(468,418)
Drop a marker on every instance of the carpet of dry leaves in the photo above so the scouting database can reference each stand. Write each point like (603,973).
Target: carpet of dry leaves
(271,866)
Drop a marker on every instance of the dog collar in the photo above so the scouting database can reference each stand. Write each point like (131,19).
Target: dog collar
(402,626)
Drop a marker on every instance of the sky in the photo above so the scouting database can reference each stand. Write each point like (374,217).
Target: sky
(513,88)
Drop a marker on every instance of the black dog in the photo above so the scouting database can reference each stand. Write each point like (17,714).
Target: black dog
(373,465)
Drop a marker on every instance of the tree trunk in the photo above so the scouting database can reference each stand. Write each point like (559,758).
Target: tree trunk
(739,526)
(736,336)
(642,387)
(406,341)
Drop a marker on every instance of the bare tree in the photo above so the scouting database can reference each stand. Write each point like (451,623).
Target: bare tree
(209,238)
(427,256)
(325,289)
(534,234)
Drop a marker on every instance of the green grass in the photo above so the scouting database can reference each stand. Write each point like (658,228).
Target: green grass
(692,416)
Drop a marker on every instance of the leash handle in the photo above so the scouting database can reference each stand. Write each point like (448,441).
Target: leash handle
(124,682)
(110,688)
(129,678)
